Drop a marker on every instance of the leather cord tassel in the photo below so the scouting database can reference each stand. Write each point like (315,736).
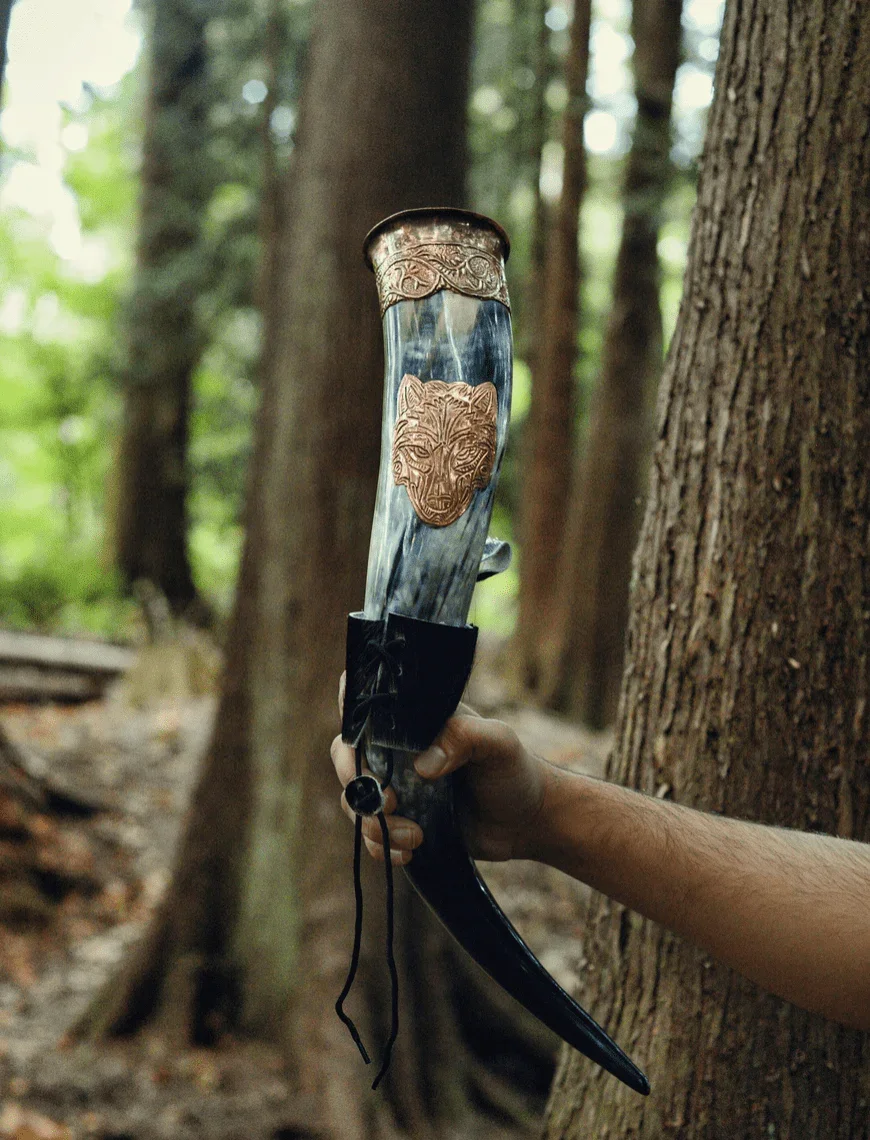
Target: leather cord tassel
(363,807)
(357,929)
(391,960)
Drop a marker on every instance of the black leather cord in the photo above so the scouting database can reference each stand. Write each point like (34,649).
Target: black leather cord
(391,960)
(357,930)
(382,656)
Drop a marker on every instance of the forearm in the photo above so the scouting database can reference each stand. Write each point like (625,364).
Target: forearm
(789,910)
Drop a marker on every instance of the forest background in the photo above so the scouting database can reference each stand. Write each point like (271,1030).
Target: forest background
(185,187)
(72,140)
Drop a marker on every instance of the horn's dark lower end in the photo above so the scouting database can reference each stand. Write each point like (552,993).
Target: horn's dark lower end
(446,878)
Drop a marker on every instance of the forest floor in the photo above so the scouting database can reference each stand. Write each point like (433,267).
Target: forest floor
(98,856)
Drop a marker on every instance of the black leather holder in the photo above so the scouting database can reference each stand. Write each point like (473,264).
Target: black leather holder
(405,678)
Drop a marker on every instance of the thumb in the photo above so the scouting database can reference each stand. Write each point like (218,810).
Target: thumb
(468,740)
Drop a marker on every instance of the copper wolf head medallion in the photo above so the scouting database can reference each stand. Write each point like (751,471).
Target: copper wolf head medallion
(444,445)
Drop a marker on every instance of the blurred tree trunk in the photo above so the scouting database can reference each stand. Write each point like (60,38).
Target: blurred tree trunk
(592,595)
(164,340)
(549,435)
(543,68)
(747,690)
(272,193)
(255,931)
(532,54)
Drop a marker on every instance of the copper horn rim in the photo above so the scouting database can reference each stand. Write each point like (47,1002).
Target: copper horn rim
(434,213)
(449,884)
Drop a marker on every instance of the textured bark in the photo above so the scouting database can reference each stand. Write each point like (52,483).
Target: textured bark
(549,430)
(256,929)
(747,684)
(592,594)
(164,339)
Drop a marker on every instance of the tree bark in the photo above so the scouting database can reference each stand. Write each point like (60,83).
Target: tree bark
(747,687)
(255,932)
(591,611)
(164,340)
(549,430)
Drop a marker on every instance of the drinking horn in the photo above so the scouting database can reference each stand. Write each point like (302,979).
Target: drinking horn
(447,333)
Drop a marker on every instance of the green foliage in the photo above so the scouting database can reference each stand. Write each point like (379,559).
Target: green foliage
(56,373)
(62,337)
(62,302)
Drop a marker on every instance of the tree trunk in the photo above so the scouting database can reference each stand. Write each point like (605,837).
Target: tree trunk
(538,140)
(592,595)
(549,430)
(532,50)
(272,186)
(747,687)
(163,334)
(256,929)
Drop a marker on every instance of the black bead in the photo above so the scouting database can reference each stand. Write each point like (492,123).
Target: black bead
(364,795)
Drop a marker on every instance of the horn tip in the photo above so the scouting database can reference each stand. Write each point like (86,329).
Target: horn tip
(637,1081)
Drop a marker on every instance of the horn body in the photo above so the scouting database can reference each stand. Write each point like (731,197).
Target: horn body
(448,369)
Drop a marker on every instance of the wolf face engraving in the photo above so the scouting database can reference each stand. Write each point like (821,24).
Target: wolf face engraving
(444,445)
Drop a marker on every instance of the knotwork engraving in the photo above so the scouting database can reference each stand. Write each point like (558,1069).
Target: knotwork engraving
(444,445)
(423,269)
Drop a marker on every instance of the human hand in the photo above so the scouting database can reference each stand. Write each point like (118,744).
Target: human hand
(500,790)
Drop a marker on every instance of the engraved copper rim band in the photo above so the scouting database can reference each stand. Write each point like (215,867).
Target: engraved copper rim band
(419,252)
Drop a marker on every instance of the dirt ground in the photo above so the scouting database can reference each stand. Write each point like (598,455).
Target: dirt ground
(122,777)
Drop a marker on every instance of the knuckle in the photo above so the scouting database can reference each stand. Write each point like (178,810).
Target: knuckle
(454,738)
(505,735)
(456,729)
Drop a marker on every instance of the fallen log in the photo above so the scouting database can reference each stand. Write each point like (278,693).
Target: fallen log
(25,778)
(53,863)
(38,667)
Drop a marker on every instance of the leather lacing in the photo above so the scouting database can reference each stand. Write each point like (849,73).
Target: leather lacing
(384,666)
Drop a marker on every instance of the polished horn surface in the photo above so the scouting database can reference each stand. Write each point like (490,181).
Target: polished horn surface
(447,391)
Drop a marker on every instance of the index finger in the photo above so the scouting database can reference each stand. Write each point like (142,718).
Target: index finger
(344,759)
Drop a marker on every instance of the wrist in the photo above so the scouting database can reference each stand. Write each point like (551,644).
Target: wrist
(570,836)
(547,839)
